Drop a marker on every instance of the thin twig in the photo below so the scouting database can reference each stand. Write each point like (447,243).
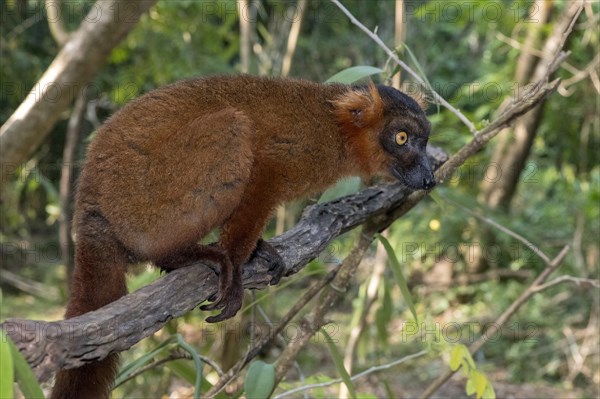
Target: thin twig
(316,319)
(173,356)
(503,229)
(501,321)
(404,66)
(581,282)
(368,371)
(154,364)
(256,349)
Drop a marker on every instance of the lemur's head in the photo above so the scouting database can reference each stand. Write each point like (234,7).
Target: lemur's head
(387,131)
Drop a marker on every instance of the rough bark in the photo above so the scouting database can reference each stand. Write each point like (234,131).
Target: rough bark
(67,183)
(121,324)
(116,327)
(78,61)
(512,150)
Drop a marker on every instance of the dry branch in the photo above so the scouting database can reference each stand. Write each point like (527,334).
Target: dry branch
(121,324)
(118,326)
(78,61)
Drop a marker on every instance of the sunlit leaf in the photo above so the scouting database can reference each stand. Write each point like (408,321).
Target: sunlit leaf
(399,276)
(141,361)
(353,74)
(479,381)
(6,369)
(489,392)
(342,188)
(260,380)
(456,356)
(197,363)
(339,364)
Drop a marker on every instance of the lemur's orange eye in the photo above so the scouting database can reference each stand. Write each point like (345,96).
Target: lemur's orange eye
(401,138)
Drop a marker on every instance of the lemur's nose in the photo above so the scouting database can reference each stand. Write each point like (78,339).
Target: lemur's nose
(428,182)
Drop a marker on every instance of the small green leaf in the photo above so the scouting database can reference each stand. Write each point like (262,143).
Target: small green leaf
(489,392)
(434,195)
(339,364)
(6,369)
(456,356)
(260,380)
(342,188)
(24,376)
(479,381)
(141,361)
(468,359)
(353,74)
(197,363)
(470,388)
(399,276)
(383,314)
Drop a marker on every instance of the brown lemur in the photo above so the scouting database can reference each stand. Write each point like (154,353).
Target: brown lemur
(204,153)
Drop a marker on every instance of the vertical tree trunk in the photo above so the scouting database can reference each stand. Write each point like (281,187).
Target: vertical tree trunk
(67,183)
(293,37)
(243,7)
(513,148)
(77,62)
(400,30)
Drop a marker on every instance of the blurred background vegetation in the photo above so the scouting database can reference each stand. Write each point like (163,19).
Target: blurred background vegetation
(458,269)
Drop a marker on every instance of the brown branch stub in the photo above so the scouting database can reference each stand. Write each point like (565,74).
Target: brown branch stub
(56,23)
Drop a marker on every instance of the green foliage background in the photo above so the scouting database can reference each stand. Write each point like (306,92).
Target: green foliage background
(557,201)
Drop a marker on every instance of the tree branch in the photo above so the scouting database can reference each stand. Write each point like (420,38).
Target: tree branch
(56,23)
(502,319)
(117,326)
(355,377)
(440,100)
(78,61)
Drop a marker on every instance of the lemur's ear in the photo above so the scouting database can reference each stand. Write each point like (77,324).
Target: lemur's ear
(359,107)
(419,97)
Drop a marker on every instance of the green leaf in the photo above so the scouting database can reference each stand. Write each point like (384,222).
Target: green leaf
(456,356)
(353,74)
(489,392)
(260,380)
(342,188)
(141,361)
(399,276)
(434,195)
(6,369)
(383,315)
(468,359)
(197,363)
(184,370)
(479,382)
(24,376)
(470,387)
(339,364)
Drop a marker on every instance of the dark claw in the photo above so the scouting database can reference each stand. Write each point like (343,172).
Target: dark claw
(228,312)
(272,258)
(229,299)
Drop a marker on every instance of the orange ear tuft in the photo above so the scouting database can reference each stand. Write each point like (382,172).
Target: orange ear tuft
(358,107)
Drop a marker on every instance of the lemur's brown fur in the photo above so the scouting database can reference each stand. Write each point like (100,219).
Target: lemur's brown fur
(205,153)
